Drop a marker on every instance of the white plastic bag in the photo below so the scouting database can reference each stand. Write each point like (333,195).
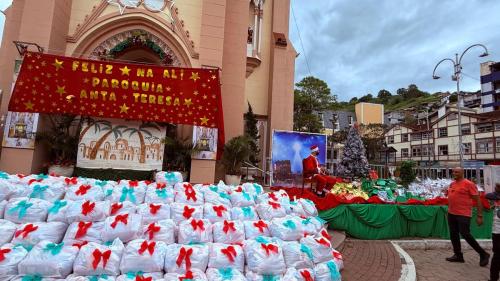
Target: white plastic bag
(182,258)
(244,213)
(10,257)
(103,277)
(169,178)
(293,274)
(338,259)
(193,275)
(226,256)
(296,209)
(254,189)
(48,259)
(187,194)
(270,209)
(195,231)
(159,193)
(7,230)
(312,225)
(309,207)
(34,278)
(297,255)
(87,211)
(127,227)
(254,229)
(216,198)
(264,258)
(22,210)
(97,259)
(57,211)
(6,189)
(181,212)
(225,274)
(327,271)
(84,192)
(252,276)
(126,207)
(132,191)
(288,228)
(140,276)
(29,234)
(81,231)
(163,230)
(215,213)
(242,199)
(46,191)
(152,212)
(321,248)
(229,232)
(277,196)
(2,208)
(143,255)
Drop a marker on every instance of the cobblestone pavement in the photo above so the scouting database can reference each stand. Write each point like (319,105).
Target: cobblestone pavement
(370,260)
(432,266)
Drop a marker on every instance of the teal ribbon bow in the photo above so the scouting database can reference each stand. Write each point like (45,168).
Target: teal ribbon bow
(246,196)
(162,193)
(57,206)
(42,176)
(306,250)
(262,239)
(290,224)
(133,275)
(293,203)
(306,221)
(31,278)
(109,192)
(334,272)
(27,247)
(38,191)
(54,248)
(128,192)
(170,178)
(269,277)
(224,195)
(22,207)
(258,188)
(247,212)
(226,273)
(4,175)
(101,183)
(98,277)
(213,188)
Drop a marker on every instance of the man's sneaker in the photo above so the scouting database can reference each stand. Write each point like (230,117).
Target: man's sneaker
(456,258)
(484,259)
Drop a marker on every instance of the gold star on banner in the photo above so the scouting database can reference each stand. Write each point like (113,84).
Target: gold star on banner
(42,101)
(20,83)
(179,115)
(125,70)
(69,98)
(168,89)
(38,56)
(94,105)
(82,108)
(213,76)
(30,67)
(58,64)
(54,104)
(101,113)
(43,63)
(47,88)
(49,75)
(195,76)
(124,97)
(196,93)
(163,110)
(140,116)
(205,97)
(188,102)
(204,120)
(157,117)
(36,78)
(33,92)
(190,112)
(214,96)
(124,108)
(61,90)
(86,80)
(28,55)
(204,85)
(200,107)
(29,105)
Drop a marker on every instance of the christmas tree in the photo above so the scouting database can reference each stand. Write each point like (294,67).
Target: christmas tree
(252,132)
(354,162)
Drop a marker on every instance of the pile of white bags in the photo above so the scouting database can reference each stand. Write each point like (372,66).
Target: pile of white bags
(77,229)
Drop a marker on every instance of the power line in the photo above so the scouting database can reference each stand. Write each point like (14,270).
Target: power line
(300,38)
(470,76)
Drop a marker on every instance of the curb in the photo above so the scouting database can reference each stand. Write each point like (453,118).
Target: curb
(427,244)
(408,271)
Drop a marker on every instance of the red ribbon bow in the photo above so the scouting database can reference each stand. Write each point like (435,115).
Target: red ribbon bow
(98,256)
(69,181)
(115,208)
(133,183)
(147,182)
(26,230)
(190,194)
(273,196)
(2,253)
(20,176)
(306,275)
(239,189)
(274,204)
(80,245)
(188,212)
(184,255)
(325,234)
(83,227)
(197,224)
(323,242)
(160,185)
(189,275)
(152,229)
(120,218)
(87,207)
(34,180)
(260,225)
(147,246)
(83,189)
(269,248)
(219,209)
(337,255)
(140,278)
(153,209)
(230,253)
(228,226)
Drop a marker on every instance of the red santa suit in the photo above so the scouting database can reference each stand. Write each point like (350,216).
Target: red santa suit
(312,169)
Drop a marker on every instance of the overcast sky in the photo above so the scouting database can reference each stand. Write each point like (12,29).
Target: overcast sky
(362,46)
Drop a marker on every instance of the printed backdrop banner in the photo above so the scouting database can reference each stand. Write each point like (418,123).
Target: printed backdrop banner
(121,145)
(288,151)
(57,84)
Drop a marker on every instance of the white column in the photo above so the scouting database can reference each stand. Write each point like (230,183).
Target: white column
(255,30)
(261,12)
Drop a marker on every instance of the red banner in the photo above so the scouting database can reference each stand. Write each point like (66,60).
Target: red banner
(57,84)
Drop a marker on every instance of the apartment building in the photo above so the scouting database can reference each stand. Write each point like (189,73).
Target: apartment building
(490,86)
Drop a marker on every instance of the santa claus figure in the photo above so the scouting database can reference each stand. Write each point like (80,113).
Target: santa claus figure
(312,170)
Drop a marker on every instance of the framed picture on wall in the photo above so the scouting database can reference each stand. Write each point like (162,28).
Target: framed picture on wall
(20,130)
(206,140)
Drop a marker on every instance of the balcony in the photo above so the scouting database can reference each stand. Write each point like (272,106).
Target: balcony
(253,60)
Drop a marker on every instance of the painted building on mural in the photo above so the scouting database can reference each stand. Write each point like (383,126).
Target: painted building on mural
(246,39)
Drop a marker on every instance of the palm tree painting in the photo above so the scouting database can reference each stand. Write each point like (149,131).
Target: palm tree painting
(141,131)
(97,124)
(116,131)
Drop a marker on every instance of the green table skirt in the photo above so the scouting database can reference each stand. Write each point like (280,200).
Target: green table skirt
(374,221)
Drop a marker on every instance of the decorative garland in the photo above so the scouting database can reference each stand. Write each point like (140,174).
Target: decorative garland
(137,41)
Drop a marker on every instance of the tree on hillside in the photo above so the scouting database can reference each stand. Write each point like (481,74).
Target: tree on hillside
(354,163)
(311,95)
(384,95)
(366,98)
(353,100)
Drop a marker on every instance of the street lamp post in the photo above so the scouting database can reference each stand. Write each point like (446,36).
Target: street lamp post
(457,67)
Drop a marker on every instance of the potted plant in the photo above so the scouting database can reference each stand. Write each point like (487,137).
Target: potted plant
(62,139)
(236,151)
(178,155)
